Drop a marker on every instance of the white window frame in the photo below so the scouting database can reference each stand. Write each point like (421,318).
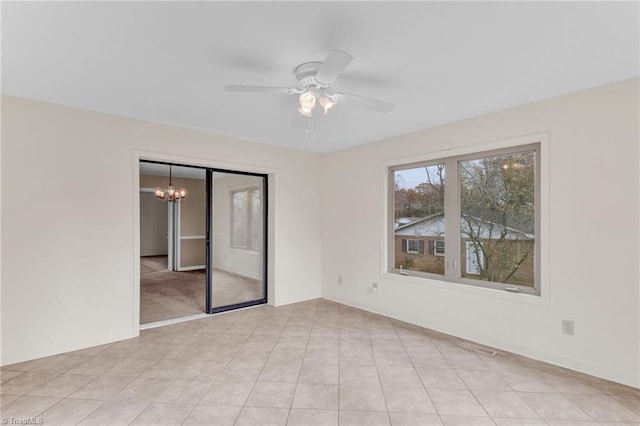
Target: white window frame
(539,294)
(439,248)
(417,242)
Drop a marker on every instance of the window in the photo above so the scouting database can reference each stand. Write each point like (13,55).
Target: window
(246,219)
(418,204)
(256,219)
(413,246)
(488,206)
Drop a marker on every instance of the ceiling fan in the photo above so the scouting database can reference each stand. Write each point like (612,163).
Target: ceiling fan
(314,87)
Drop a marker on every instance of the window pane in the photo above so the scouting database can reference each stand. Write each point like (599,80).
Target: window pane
(240,224)
(497,223)
(419,218)
(413,246)
(256,219)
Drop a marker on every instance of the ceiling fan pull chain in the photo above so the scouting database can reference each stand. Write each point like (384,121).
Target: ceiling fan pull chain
(311,127)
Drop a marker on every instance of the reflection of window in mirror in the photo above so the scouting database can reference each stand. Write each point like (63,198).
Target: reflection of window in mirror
(246,222)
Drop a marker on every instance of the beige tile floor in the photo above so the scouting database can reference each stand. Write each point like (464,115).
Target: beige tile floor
(312,363)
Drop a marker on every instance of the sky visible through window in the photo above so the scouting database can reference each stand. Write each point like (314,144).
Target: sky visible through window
(410,178)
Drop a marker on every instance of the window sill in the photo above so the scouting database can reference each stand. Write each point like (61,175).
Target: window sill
(541,300)
(244,250)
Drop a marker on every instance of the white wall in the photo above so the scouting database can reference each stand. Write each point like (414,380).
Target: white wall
(154,226)
(592,242)
(237,261)
(62,291)
(69,194)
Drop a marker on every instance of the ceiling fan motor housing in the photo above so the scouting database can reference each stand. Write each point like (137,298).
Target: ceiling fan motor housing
(306,75)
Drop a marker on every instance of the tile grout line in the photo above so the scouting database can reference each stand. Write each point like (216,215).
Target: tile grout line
(422,331)
(375,362)
(339,362)
(374,330)
(210,386)
(261,370)
(295,389)
(173,380)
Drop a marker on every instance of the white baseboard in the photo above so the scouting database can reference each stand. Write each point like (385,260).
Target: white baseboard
(582,366)
(191,268)
(299,299)
(156,324)
(241,273)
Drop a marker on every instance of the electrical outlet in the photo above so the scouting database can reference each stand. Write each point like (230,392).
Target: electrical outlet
(339,279)
(567,327)
(374,288)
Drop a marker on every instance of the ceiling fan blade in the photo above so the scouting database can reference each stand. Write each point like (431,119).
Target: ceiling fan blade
(263,89)
(334,64)
(362,102)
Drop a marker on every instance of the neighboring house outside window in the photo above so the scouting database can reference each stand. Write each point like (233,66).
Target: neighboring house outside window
(432,259)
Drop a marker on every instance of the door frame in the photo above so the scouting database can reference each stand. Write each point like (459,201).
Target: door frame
(471,256)
(170,242)
(209,166)
(177,237)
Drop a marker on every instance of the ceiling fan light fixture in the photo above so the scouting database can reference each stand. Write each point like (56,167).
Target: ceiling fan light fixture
(307,100)
(327,103)
(305,111)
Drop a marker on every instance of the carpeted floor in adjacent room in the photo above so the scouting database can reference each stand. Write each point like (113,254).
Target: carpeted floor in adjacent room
(167,294)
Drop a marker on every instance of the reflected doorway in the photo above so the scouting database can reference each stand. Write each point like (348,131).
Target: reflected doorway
(172,244)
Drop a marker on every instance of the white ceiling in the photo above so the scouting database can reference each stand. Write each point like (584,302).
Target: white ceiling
(437,62)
